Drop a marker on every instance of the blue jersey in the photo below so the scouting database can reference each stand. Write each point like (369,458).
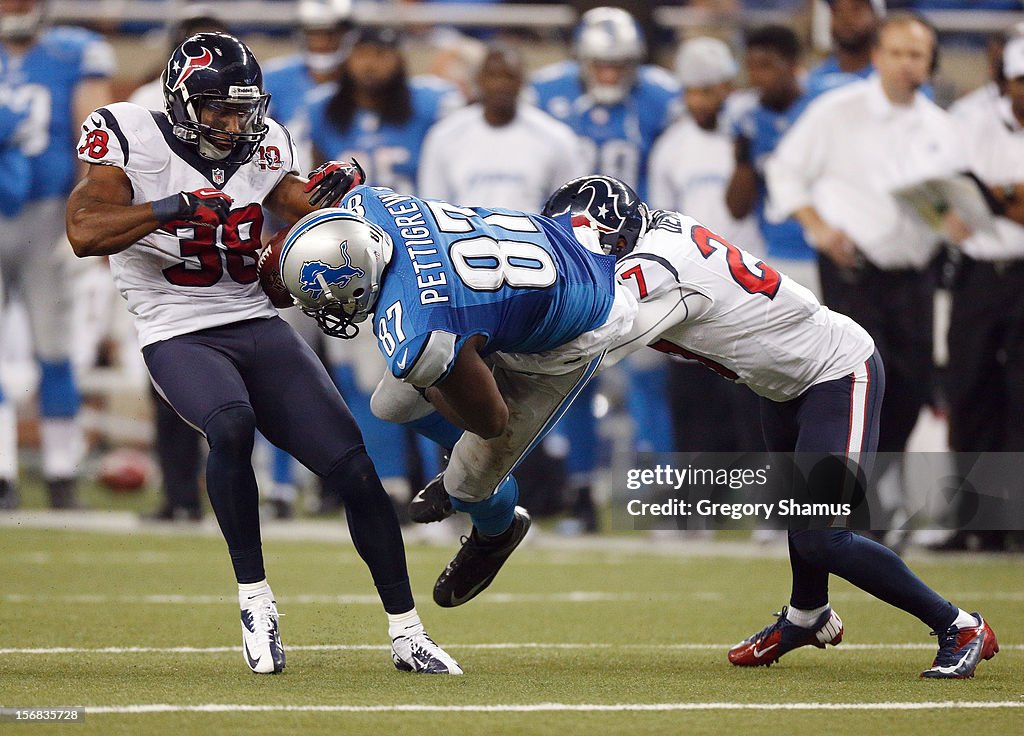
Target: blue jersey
(620,136)
(389,152)
(827,75)
(764,128)
(521,280)
(14,164)
(289,83)
(44,79)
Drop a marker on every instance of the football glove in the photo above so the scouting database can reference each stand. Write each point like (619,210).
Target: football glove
(207,207)
(332,180)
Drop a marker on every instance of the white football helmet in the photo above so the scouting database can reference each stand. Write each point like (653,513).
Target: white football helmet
(608,36)
(332,262)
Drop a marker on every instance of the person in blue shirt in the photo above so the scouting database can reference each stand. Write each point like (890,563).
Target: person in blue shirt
(376,113)
(772,59)
(854,25)
(491,322)
(60,75)
(618,106)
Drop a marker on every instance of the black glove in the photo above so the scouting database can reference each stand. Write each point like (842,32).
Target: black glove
(332,180)
(206,207)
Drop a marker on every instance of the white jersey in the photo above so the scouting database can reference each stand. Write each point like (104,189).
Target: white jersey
(183,277)
(517,165)
(703,298)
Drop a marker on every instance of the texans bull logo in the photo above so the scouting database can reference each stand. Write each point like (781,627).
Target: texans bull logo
(195,63)
(316,277)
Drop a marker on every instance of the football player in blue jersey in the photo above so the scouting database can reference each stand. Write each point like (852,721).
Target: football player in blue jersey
(491,321)
(376,113)
(59,75)
(290,79)
(854,25)
(618,106)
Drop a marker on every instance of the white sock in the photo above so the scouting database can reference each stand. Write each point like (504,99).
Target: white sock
(404,623)
(248,592)
(63,446)
(805,617)
(8,442)
(964,620)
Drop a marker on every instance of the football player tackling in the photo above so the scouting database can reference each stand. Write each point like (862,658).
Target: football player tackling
(821,383)
(175,199)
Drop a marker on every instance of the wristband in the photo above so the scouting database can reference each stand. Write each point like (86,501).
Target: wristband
(168,208)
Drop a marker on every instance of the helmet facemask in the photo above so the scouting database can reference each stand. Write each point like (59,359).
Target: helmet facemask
(207,124)
(609,47)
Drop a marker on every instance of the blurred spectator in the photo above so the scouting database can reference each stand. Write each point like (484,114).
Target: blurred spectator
(619,106)
(291,79)
(498,152)
(376,113)
(60,75)
(773,67)
(854,24)
(691,165)
(985,375)
(835,170)
(982,101)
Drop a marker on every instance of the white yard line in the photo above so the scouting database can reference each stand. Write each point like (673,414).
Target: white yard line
(544,707)
(847,647)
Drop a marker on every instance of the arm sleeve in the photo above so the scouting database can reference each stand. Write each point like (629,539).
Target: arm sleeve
(98,60)
(425,359)
(103,141)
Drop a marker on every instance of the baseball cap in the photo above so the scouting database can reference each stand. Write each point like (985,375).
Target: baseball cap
(1013,58)
(704,61)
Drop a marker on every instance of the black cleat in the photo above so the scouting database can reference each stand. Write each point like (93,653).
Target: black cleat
(476,565)
(432,503)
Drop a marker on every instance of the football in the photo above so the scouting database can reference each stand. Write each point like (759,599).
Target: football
(125,470)
(269,267)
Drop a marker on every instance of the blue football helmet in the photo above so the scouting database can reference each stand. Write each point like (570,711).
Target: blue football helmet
(216,74)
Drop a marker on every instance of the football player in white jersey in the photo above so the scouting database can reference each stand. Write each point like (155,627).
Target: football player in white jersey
(821,383)
(175,199)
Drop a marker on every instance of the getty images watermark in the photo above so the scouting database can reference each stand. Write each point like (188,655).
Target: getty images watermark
(814,490)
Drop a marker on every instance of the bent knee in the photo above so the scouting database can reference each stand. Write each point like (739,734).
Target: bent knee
(232,429)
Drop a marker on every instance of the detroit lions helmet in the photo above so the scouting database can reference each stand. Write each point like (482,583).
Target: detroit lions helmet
(214,97)
(608,37)
(332,263)
(607,205)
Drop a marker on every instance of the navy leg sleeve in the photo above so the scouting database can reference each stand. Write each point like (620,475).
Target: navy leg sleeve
(374,527)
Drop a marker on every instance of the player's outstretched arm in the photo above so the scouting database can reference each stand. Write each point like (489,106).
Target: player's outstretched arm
(289,200)
(468,396)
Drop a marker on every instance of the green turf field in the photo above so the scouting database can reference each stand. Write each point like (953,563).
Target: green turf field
(587,639)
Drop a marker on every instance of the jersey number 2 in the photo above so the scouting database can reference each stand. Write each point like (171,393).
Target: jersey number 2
(766,282)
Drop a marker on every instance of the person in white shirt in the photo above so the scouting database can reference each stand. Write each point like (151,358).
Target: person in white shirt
(498,151)
(835,171)
(985,375)
(690,167)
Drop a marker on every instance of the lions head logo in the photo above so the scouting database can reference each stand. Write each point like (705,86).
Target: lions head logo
(317,277)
